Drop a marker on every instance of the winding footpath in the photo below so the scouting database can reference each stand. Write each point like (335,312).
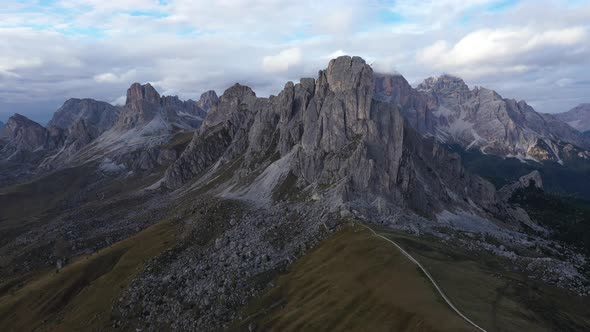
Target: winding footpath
(442,294)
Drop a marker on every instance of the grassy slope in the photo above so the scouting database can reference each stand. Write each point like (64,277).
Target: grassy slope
(497,299)
(41,195)
(356,282)
(80,297)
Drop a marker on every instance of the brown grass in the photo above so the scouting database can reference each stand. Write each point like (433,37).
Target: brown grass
(80,297)
(352,282)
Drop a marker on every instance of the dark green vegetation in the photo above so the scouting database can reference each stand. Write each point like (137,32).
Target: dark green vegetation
(353,281)
(569,218)
(482,286)
(571,179)
(80,297)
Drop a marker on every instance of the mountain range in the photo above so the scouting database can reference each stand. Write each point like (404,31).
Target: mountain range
(187,212)
(578,117)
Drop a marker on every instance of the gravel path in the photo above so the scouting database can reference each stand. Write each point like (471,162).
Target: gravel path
(442,294)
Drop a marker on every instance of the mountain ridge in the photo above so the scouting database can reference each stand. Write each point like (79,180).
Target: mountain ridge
(578,117)
(445,107)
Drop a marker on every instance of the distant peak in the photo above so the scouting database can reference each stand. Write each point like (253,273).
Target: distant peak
(142,92)
(238,90)
(208,99)
(20,118)
(444,81)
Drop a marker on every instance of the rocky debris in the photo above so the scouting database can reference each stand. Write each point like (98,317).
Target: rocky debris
(578,117)
(535,255)
(204,283)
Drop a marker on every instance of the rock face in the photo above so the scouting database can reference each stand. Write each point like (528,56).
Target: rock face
(578,117)
(327,133)
(98,114)
(27,134)
(84,130)
(445,107)
(146,109)
(533,178)
(24,136)
(75,125)
(145,125)
(208,100)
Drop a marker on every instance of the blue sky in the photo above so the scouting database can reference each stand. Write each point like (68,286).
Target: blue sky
(51,50)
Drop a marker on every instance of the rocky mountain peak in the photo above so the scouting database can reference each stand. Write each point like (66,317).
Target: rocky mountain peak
(24,134)
(327,133)
(392,84)
(207,100)
(99,114)
(443,83)
(142,92)
(578,117)
(19,122)
(346,73)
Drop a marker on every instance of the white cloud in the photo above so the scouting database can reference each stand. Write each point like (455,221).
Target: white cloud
(333,55)
(564,82)
(92,48)
(283,61)
(119,101)
(509,50)
(115,78)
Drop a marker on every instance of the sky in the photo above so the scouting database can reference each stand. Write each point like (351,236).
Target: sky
(52,50)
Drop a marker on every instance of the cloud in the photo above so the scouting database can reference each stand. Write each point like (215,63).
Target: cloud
(509,50)
(95,49)
(119,101)
(115,78)
(281,62)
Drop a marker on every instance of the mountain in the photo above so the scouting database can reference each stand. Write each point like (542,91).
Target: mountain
(327,137)
(207,100)
(87,130)
(578,117)
(146,123)
(98,114)
(479,118)
(1,127)
(23,135)
(290,199)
